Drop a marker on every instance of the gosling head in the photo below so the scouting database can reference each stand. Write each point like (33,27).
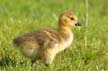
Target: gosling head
(68,18)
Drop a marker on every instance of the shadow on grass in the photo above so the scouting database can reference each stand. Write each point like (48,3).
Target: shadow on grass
(7,61)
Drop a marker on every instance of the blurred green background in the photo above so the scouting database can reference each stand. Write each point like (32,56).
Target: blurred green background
(89,51)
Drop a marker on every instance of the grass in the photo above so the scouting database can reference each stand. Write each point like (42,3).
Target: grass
(89,51)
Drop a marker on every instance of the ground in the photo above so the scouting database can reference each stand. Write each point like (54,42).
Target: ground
(89,51)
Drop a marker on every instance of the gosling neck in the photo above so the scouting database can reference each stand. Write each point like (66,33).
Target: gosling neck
(65,30)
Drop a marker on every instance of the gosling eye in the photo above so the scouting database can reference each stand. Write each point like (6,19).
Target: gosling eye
(72,18)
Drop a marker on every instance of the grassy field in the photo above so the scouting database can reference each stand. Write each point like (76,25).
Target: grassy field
(89,51)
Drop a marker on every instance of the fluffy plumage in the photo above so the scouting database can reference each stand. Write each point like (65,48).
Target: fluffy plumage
(44,44)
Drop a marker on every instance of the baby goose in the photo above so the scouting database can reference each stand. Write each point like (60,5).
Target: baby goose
(44,44)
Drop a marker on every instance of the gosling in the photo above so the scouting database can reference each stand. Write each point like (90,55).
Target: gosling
(44,44)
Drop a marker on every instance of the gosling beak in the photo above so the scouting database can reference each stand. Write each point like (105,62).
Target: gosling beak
(78,24)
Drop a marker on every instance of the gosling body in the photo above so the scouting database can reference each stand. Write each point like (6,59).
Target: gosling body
(44,44)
